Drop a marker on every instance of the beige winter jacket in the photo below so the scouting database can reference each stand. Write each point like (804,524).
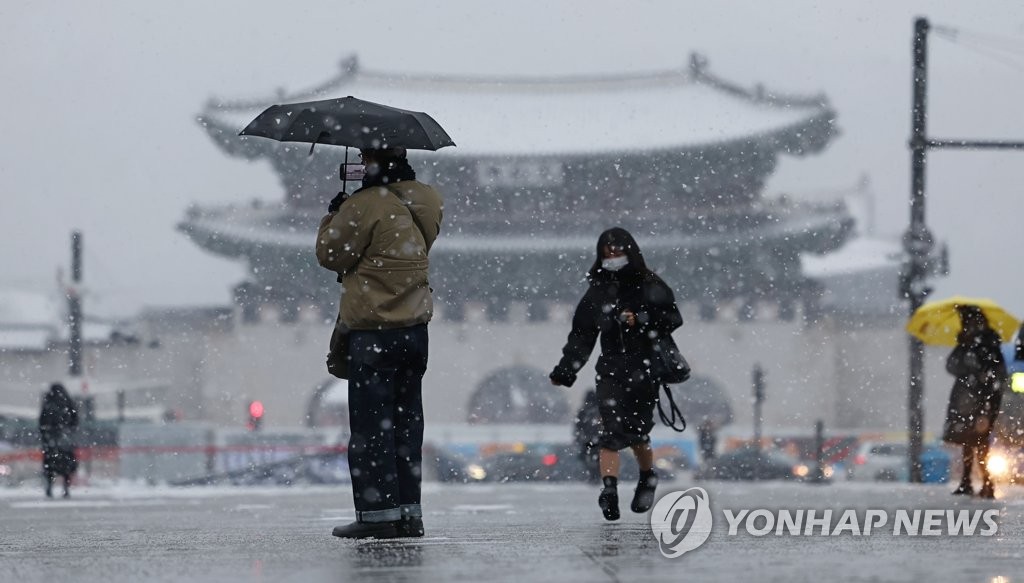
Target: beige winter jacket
(381,254)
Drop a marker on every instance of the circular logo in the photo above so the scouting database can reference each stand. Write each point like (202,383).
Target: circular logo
(681,521)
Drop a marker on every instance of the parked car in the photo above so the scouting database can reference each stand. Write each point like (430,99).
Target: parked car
(529,466)
(879,461)
(557,464)
(887,461)
(750,463)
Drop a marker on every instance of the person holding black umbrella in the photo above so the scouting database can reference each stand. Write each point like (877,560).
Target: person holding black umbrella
(628,306)
(378,240)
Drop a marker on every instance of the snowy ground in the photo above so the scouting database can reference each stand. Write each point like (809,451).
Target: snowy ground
(477,532)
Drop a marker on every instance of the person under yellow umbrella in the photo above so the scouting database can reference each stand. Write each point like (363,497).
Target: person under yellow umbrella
(977,363)
(939,323)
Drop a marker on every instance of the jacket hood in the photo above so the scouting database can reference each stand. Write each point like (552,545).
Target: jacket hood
(619,237)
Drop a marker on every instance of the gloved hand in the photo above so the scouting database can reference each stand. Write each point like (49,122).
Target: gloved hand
(336,202)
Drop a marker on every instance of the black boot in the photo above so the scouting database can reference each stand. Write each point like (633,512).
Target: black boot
(609,498)
(988,491)
(409,527)
(643,496)
(366,530)
(965,489)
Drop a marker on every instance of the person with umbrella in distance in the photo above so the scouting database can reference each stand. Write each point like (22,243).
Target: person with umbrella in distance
(627,305)
(58,420)
(377,240)
(977,363)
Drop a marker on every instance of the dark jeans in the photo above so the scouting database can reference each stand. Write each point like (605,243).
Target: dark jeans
(386,417)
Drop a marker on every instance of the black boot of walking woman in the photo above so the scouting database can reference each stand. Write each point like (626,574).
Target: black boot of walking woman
(609,498)
(643,497)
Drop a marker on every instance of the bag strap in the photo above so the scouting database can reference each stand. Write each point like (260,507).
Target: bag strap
(677,415)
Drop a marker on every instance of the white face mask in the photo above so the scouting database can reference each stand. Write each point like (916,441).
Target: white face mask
(615,263)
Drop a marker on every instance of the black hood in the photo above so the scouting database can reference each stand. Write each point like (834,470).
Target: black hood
(619,237)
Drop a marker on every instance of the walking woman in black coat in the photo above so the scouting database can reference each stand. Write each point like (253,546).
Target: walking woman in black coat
(57,422)
(980,371)
(627,305)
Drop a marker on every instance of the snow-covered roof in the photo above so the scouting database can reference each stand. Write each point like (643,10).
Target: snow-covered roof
(22,308)
(25,338)
(31,321)
(857,256)
(568,115)
(237,230)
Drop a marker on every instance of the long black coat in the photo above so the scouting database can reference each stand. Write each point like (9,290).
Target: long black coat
(598,315)
(977,363)
(57,423)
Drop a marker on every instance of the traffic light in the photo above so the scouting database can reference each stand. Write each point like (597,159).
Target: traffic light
(255,415)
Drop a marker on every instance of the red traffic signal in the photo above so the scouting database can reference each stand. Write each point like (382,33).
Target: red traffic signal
(256,409)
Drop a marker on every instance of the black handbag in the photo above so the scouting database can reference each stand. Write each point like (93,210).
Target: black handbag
(668,366)
(338,354)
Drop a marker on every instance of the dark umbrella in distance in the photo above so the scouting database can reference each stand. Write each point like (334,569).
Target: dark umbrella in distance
(348,121)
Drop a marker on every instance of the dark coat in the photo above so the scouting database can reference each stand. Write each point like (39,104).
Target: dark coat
(623,348)
(588,422)
(977,363)
(57,423)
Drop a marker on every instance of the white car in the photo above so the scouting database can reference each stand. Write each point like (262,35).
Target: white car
(880,461)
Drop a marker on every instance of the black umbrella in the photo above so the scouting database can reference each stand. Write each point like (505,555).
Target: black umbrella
(348,121)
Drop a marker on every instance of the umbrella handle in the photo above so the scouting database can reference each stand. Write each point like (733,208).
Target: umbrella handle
(344,174)
(322,134)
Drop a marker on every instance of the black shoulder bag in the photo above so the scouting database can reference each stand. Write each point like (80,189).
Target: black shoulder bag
(337,355)
(668,366)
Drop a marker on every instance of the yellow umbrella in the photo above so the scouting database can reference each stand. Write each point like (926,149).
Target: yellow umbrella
(938,322)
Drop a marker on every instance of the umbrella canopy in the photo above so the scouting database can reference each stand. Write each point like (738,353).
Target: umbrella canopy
(348,121)
(938,322)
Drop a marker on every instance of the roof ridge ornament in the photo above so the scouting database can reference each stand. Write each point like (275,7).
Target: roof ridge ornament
(349,68)
(758,94)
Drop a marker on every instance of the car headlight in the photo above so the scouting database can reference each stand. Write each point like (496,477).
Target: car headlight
(1017,382)
(801,470)
(476,472)
(998,465)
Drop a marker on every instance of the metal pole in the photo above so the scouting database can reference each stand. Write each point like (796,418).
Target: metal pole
(75,307)
(918,244)
(122,399)
(976,144)
(758,375)
(819,452)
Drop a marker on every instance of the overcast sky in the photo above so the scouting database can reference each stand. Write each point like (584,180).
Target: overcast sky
(99,102)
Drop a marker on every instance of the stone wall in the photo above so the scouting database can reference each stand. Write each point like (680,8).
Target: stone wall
(849,376)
